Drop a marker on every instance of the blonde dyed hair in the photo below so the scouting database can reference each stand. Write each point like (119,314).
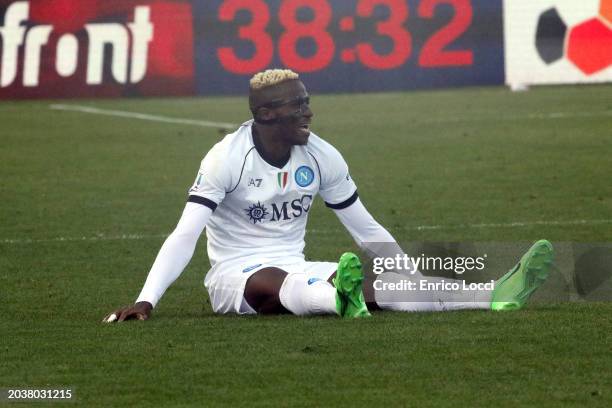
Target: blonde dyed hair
(271,77)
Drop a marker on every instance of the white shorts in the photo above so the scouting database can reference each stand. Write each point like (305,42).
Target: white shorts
(226,282)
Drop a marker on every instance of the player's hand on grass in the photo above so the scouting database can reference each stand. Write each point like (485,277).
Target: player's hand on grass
(138,311)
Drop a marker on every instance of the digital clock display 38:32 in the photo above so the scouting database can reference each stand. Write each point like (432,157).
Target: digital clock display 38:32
(350,45)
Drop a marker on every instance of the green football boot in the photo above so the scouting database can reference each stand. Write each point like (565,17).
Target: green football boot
(349,295)
(514,288)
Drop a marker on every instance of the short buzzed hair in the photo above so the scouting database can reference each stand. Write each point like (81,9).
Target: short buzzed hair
(271,77)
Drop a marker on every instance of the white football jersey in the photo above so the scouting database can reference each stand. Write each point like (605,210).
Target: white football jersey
(261,210)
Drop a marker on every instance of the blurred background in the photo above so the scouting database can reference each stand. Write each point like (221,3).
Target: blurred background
(75,48)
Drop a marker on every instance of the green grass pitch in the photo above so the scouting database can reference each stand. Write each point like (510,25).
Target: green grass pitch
(86,201)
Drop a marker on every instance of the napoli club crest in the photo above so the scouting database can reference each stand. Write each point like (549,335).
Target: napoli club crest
(304,176)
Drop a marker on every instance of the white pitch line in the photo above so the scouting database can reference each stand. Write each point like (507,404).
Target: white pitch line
(128,237)
(561,115)
(534,116)
(89,239)
(142,116)
(226,125)
(506,225)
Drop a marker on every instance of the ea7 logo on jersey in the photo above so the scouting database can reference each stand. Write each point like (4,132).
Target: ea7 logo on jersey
(255,182)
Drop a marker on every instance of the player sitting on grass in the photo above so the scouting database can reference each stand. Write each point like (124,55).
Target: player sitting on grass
(253,194)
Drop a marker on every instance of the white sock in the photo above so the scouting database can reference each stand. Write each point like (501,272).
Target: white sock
(303,298)
(406,300)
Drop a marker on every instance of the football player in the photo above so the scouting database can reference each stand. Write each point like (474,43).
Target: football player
(253,193)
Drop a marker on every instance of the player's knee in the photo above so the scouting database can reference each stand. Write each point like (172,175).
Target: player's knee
(262,288)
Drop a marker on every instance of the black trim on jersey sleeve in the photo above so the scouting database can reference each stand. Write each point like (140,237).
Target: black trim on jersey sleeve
(346,203)
(202,200)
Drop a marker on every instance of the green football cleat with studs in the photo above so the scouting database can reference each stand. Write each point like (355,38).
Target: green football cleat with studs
(350,302)
(514,288)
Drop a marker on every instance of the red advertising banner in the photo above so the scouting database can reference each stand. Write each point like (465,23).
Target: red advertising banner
(111,48)
(65,48)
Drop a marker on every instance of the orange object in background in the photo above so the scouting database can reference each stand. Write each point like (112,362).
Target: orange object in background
(605,10)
